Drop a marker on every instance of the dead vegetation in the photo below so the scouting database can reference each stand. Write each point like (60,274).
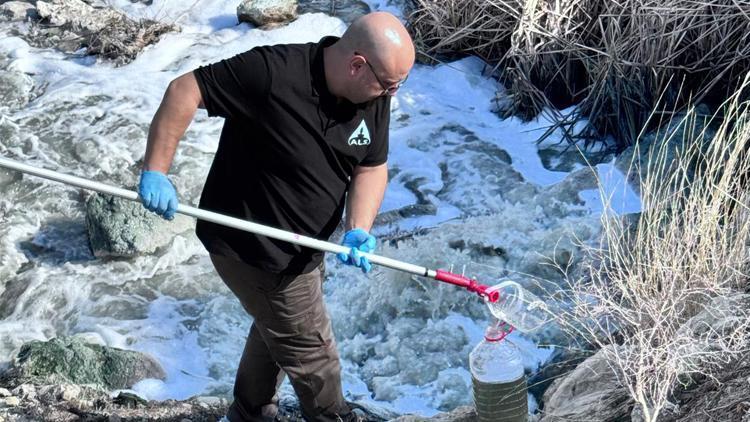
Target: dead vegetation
(612,58)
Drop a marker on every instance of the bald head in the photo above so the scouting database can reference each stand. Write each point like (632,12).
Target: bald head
(376,42)
(382,37)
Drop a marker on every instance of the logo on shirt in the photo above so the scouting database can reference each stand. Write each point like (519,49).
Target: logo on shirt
(360,136)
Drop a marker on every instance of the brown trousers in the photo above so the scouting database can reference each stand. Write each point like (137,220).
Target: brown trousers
(291,333)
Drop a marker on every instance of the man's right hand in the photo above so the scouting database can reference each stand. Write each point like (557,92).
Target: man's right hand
(157,194)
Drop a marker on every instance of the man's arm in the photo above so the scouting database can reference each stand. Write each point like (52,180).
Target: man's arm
(171,120)
(365,196)
(181,100)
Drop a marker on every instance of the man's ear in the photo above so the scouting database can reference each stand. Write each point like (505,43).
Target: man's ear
(356,65)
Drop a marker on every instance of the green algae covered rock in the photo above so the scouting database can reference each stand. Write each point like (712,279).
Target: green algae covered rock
(71,360)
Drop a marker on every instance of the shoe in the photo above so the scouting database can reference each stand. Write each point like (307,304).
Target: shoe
(269,412)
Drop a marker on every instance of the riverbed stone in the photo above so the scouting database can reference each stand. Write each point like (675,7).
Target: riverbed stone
(122,228)
(264,13)
(68,360)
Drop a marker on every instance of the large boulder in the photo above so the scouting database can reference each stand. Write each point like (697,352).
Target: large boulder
(122,228)
(264,13)
(591,392)
(71,360)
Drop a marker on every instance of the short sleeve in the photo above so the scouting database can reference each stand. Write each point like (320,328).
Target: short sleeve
(377,152)
(235,87)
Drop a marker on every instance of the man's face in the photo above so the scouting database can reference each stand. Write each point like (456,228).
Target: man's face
(374,85)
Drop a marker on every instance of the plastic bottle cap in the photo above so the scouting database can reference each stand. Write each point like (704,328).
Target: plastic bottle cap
(498,331)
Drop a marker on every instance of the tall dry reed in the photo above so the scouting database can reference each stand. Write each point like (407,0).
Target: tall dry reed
(613,58)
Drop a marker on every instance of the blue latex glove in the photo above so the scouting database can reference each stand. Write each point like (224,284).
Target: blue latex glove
(157,194)
(359,241)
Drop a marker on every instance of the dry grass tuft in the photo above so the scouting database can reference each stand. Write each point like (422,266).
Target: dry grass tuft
(613,58)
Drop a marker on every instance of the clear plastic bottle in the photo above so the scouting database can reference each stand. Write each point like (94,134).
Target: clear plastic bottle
(519,307)
(498,378)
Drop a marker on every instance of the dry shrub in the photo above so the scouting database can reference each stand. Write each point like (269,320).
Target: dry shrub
(613,58)
(671,290)
(122,39)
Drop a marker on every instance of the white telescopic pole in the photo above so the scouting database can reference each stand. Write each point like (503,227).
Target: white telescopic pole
(216,218)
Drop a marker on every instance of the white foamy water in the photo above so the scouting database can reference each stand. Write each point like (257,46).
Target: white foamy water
(475,181)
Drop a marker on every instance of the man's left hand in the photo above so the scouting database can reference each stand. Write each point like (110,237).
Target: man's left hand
(357,240)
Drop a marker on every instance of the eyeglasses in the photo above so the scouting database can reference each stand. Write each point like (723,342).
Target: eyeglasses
(386,90)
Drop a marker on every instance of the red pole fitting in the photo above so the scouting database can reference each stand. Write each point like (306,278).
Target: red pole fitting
(467,283)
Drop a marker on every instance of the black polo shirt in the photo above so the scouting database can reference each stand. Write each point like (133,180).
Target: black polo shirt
(286,152)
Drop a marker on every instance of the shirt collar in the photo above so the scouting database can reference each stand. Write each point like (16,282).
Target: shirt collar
(317,67)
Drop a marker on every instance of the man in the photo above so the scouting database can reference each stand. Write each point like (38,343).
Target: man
(305,139)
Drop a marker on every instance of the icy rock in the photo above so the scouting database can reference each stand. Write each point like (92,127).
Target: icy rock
(4,392)
(68,360)
(266,12)
(118,227)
